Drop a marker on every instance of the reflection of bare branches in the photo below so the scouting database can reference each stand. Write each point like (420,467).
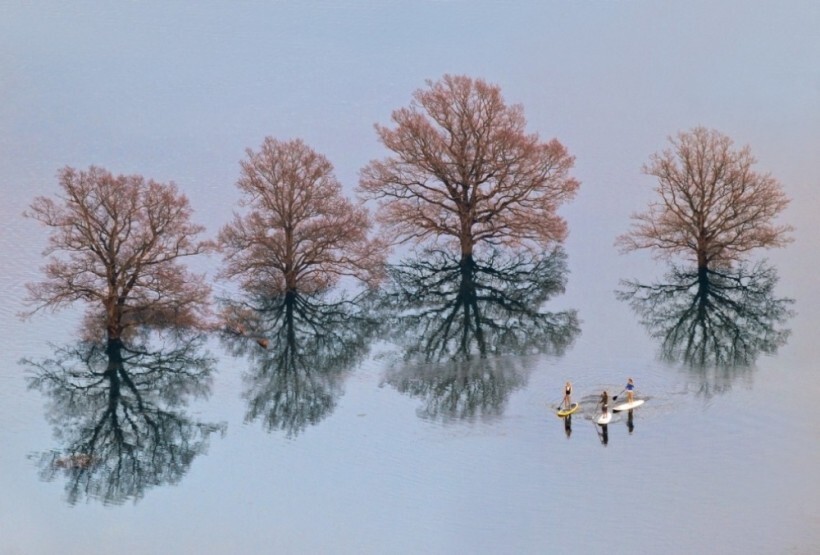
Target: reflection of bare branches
(722,318)
(461,389)
(308,346)
(118,414)
(717,380)
(439,307)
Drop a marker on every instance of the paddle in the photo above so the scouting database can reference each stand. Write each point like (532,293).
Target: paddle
(615,398)
(560,405)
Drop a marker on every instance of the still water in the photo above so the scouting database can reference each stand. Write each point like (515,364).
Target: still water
(392,460)
(377,456)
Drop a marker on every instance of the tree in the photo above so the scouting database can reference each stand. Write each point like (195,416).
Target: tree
(300,234)
(713,206)
(463,169)
(116,244)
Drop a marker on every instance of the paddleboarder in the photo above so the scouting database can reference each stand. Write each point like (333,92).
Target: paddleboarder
(568,395)
(630,390)
(604,402)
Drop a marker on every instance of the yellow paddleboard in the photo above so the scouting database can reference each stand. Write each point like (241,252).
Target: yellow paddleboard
(566,412)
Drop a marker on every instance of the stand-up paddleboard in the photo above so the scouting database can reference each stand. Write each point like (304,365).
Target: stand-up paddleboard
(603,418)
(567,411)
(628,406)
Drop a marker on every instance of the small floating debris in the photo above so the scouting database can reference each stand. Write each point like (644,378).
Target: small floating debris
(78,461)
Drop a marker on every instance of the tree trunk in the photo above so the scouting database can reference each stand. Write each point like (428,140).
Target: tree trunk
(703,291)
(466,233)
(702,249)
(703,261)
(290,261)
(113,349)
(113,326)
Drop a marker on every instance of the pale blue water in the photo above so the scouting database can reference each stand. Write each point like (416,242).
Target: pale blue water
(715,463)
(726,472)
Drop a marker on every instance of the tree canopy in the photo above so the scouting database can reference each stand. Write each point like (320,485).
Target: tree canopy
(116,244)
(300,233)
(713,206)
(463,169)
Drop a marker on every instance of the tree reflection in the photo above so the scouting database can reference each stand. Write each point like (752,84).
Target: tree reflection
(715,321)
(439,307)
(453,319)
(118,413)
(300,348)
(461,389)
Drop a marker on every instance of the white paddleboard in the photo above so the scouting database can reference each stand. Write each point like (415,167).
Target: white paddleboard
(604,418)
(628,406)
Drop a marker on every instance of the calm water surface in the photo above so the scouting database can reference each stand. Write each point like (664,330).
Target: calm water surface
(714,462)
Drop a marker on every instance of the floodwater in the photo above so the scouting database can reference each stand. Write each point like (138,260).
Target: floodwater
(395,458)
(356,452)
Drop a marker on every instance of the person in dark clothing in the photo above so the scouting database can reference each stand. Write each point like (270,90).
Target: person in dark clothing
(567,395)
(604,402)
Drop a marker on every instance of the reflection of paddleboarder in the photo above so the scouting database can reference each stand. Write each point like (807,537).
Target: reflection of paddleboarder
(604,435)
(568,426)
(630,425)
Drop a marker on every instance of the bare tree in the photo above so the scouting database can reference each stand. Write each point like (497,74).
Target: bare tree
(300,233)
(713,206)
(463,169)
(116,244)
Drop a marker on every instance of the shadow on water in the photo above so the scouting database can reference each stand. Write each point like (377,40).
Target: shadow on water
(716,323)
(119,416)
(452,320)
(300,349)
